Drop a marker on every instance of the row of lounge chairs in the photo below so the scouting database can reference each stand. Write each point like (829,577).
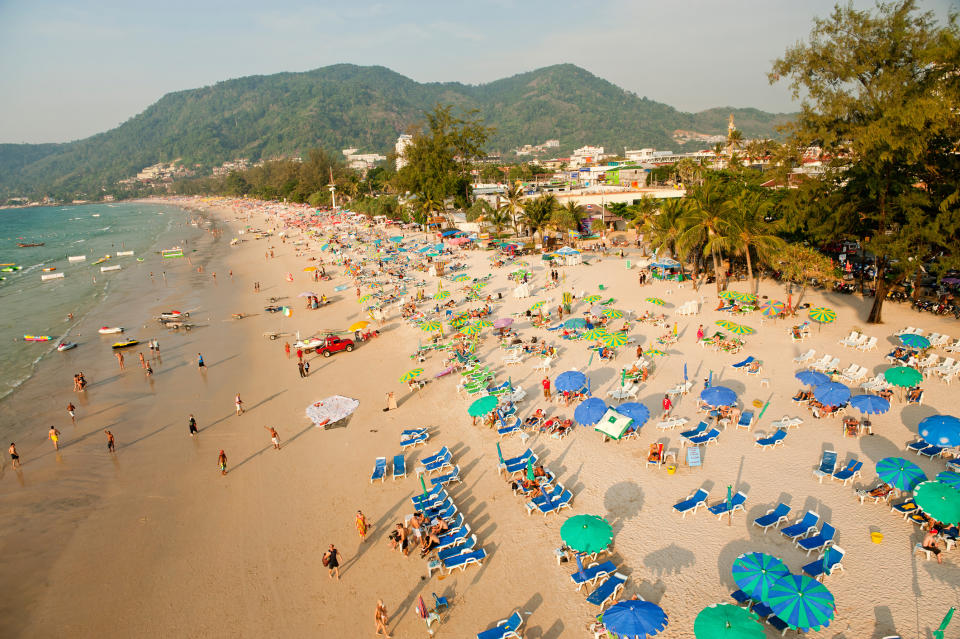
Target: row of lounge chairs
(803,532)
(859,341)
(552,501)
(699,498)
(828,468)
(458,548)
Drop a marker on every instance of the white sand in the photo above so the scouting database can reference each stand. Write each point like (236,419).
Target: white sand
(154,542)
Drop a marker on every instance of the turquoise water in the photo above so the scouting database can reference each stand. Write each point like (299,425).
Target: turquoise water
(31,306)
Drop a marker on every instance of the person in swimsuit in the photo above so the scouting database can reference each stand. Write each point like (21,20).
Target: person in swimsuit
(54,436)
(380,619)
(362,526)
(332,557)
(930,543)
(222,462)
(239,404)
(193,426)
(14,455)
(70,411)
(200,363)
(111,442)
(274,437)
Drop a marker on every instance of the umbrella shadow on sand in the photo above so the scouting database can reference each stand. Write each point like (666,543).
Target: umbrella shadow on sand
(669,560)
(623,501)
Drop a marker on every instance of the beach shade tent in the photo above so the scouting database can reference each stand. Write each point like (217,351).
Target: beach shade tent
(915,341)
(665,262)
(503,322)
(823,315)
(903,376)
(756,572)
(635,411)
(656,301)
(635,618)
(772,308)
(575,322)
(870,404)
(940,430)
(590,411)
(572,381)
(482,406)
(356,326)
(411,375)
(586,533)
(612,423)
(727,621)
(832,394)
(330,410)
(802,602)
(718,396)
(811,378)
(614,340)
(595,333)
(939,500)
(566,250)
(900,473)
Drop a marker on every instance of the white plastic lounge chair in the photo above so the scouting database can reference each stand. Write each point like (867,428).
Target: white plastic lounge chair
(802,527)
(379,470)
(515,357)
(803,358)
(823,361)
(869,345)
(399,467)
(936,339)
(543,364)
(819,541)
(680,389)
(505,628)
(774,517)
(953,348)
(723,508)
(622,392)
(691,503)
(828,463)
(608,590)
(850,340)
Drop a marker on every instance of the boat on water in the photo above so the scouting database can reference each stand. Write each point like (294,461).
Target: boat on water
(95,215)
(66,346)
(77,258)
(124,253)
(37,338)
(10,269)
(49,269)
(51,276)
(102,260)
(110,330)
(125,343)
(29,244)
(105,269)
(139,259)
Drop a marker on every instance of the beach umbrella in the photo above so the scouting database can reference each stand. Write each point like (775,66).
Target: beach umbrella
(728,295)
(483,323)
(823,315)
(570,381)
(309,269)
(307,294)
(590,299)
(331,409)
(811,378)
(724,324)
(356,326)
(938,633)
(423,485)
(478,285)
(727,621)
(740,329)
(870,404)
(949,478)
(441,295)
(656,301)
(536,305)
(802,602)
(575,322)
(900,473)
(940,430)
(655,352)
(503,322)
(940,501)
(411,375)
(595,333)
(396,239)
(586,533)
(365,298)
(482,406)
(635,411)
(718,396)
(461,278)
(635,618)
(903,376)
(772,308)
(614,340)
(756,572)
(612,313)
(499,453)
(430,325)
(915,341)
(590,411)
(473,329)
(832,394)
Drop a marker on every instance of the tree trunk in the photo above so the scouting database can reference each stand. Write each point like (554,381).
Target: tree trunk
(749,265)
(716,270)
(876,310)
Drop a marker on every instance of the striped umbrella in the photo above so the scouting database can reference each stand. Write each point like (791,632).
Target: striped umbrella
(590,299)
(740,329)
(431,325)
(441,295)
(656,301)
(802,602)
(457,322)
(915,341)
(596,333)
(724,324)
(654,352)
(772,308)
(756,572)
(461,278)
(365,298)
(479,285)
(612,313)
(484,323)
(729,295)
(473,329)
(411,375)
(536,305)
(823,315)
(614,340)
(900,473)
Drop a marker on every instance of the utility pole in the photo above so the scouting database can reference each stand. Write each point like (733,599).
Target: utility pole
(333,191)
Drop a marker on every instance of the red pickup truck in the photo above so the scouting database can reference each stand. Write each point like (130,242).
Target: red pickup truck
(334,344)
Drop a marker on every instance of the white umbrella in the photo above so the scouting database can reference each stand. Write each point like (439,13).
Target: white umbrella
(330,410)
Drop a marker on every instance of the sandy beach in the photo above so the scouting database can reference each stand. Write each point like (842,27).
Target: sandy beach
(153,542)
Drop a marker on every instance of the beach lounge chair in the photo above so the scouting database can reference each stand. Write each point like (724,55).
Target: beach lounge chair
(931,451)
(944,366)
(463,560)
(802,527)
(736,503)
(429,459)
(514,357)
(512,429)
(449,553)
(414,440)
(704,439)
(850,471)
(953,348)
(880,492)
(774,517)
(592,574)
(773,440)
(744,363)
(505,628)
(436,466)
(455,538)
(936,339)
(680,389)
(699,430)
(543,364)
(552,504)
(437,493)
(623,392)
(741,597)
(851,339)
(778,624)
(517,464)
(763,610)
(608,590)
(672,422)
(828,366)
(452,476)
(746,420)
(869,345)
(399,466)
(833,555)
(379,470)
(823,361)
(819,541)
(692,502)
(905,507)
(828,463)
(803,358)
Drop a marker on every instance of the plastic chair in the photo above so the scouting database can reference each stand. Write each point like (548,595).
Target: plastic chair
(440,602)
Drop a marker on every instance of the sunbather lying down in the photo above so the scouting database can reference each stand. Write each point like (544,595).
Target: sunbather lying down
(556,426)
(534,419)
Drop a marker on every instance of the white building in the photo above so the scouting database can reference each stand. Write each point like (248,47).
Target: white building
(362,161)
(403,142)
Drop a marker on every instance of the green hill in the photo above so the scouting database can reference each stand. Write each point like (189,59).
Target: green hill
(344,106)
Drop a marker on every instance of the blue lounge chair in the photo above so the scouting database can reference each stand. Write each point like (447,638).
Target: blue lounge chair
(701,427)
(692,503)
(851,471)
(414,440)
(608,590)
(834,557)
(592,573)
(463,560)
(452,476)
(437,465)
(551,504)
(721,509)
(505,629)
(802,527)
(517,464)
(453,551)
(744,363)
(774,517)
(746,420)
(763,610)
(439,602)
(512,429)
(436,508)
(429,459)
(917,446)
(828,464)
(705,438)
(455,523)
(819,541)
(379,470)
(931,451)
(741,597)
(455,538)
(432,495)
(399,466)
(778,624)
(774,440)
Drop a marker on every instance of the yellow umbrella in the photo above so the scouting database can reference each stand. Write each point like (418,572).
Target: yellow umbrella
(308,269)
(356,326)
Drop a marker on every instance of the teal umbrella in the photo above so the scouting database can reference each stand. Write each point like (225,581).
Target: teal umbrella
(499,453)
(726,621)
(483,406)
(940,501)
(903,376)
(938,633)
(802,602)
(586,533)
(423,485)
(756,572)
(530,474)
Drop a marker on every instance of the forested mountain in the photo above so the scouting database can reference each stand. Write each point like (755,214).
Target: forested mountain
(344,106)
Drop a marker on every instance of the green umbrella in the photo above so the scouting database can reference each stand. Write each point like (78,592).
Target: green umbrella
(536,305)
(938,633)
(729,295)
(656,301)
(724,324)
(423,485)
(823,315)
(903,376)
(482,406)
(499,453)
(365,298)
(940,501)
(473,329)
(586,533)
(530,474)
(740,329)
(654,352)
(726,621)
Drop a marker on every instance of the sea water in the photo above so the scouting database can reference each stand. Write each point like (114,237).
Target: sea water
(31,306)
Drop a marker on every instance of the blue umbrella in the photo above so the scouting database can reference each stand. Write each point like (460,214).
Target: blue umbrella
(635,411)
(575,322)
(915,341)
(812,378)
(870,404)
(949,478)
(570,381)
(718,396)
(635,618)
(802,602)
(900,473)
(940,430)
(590,411)
(832,394)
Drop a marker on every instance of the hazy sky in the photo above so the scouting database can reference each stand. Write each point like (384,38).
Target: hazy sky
(70,68)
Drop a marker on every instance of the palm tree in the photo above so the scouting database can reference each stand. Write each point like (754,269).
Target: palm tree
(568,216)
(513,203)
(538,212)
(642,212)
(706,222)
(734,139)
(429,205)
(664,229)
(498,219)
(749,230)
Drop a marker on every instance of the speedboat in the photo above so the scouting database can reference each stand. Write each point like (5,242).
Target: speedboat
(125,343)
(49,269)
(110,330)
(66,346)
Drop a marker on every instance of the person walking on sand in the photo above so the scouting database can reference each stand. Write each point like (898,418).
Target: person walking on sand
(362,526)
(200,364)
(192,425)
(300,368)
(111,442)
(120,359)
(222,462)
(71,410)
(14,455)
(546,387)
(667,406)
(239,404)
(331,559)
(286,349)
(700,333)
(54,436)
(380,618)
(274,437)
(299,354)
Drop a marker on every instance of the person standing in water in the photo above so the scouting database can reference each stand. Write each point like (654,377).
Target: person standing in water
(111,442)
(200,364)
(14,455)
(54,436)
